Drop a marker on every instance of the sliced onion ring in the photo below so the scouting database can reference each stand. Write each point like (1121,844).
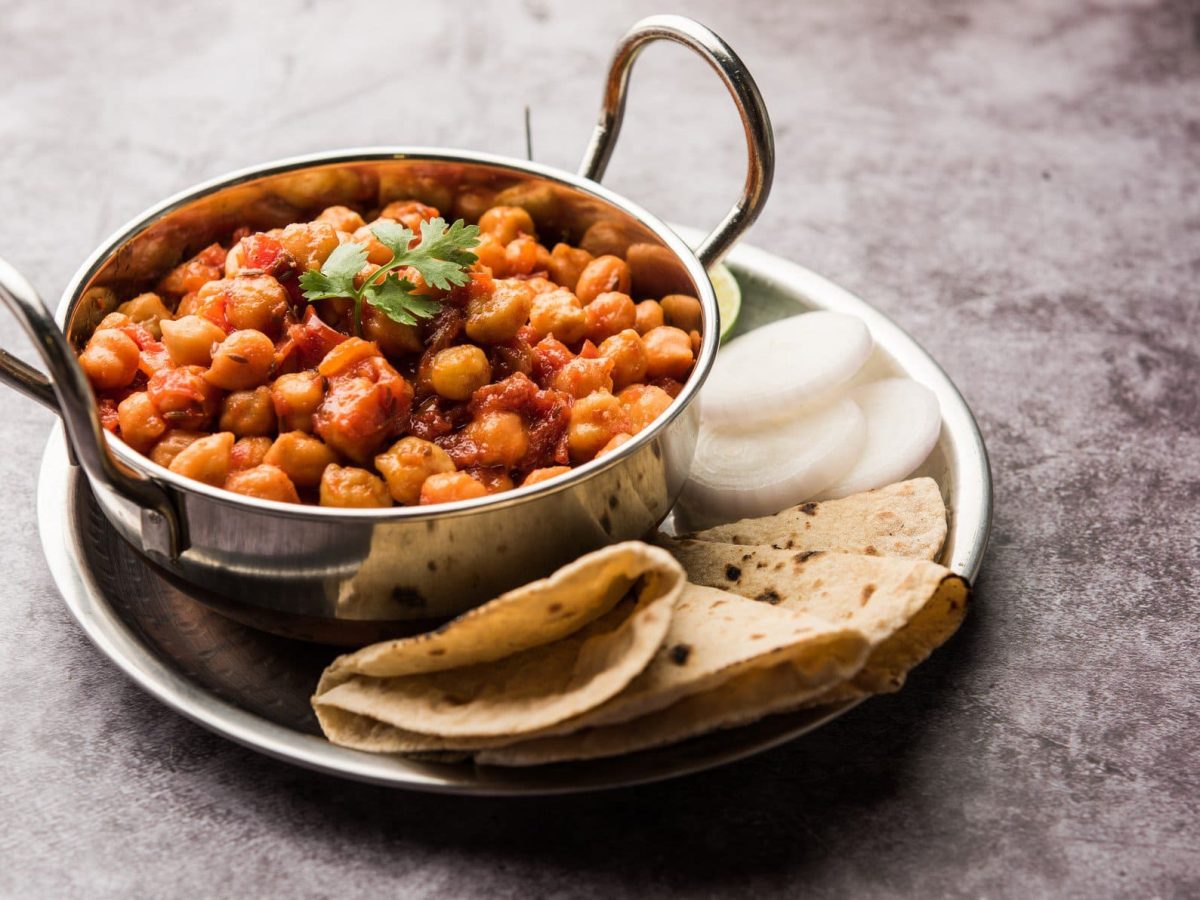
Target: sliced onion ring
(775,371)
(903,423)
(740,473)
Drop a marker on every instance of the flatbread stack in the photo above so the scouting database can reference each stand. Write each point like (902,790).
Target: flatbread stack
(637,646)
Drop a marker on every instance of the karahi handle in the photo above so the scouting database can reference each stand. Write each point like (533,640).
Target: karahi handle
(760,140)
(69,395)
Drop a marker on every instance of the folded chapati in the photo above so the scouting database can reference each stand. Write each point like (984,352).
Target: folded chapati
(714,636)
(527,660)
(831,658)
(902,608)
(617,652)
(903,519)
(905,607)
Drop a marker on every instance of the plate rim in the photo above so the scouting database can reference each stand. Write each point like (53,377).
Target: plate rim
(57,500)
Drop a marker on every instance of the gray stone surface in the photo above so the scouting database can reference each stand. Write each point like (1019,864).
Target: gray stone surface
(1015,183)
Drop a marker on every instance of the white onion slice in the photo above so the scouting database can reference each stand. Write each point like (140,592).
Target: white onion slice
(775,371)
(903,423)
(739,473)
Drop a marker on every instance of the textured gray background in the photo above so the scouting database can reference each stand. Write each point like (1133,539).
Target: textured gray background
(1015,183)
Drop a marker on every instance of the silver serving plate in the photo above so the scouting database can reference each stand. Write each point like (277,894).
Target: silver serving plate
(254,688)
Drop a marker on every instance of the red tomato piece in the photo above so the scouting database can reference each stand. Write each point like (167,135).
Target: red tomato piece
(183,397)
(108,414)
(265,253)
(549,355)
(313,339)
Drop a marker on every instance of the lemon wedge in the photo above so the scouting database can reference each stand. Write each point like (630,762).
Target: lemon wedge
(729,296)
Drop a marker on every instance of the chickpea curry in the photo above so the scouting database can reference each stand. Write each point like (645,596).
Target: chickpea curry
(401,361)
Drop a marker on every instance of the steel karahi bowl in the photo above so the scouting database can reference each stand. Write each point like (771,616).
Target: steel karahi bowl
(346,575)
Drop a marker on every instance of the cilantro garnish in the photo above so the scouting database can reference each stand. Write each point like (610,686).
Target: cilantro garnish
(441,258)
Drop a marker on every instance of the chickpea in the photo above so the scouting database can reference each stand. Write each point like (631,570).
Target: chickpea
(171,444)
(406,465)
(235,260)
(377,252)
(183,397)
(567,264)
(540,285)
(141,425)
(394,338)
(447,487)
(496,318)
(206,459)
(506,222)
(595,419)
(649,315)
(492,254)
(458,372)
(114,320)
(188,305)
(263,482)
(537,476)
(608,314)
(617,441)
(147,310)
(581,377)
(296,397)
(409,213)
(560,313)
(253,301)
(309,243)
(342,218)
(190,340)
(473,202)
(668,352)
(494,480)
(521,256)
(302,456)
(605,237)
(353,488)
(643,404)
(243,360)
(682,312)
(248,413)
(190,276)
(602,275)
(500,437)
(694,337)
(110,359)
(248,452)
(628,355)
(210,302)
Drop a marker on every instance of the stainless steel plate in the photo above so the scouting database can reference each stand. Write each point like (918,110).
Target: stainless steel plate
(254,688)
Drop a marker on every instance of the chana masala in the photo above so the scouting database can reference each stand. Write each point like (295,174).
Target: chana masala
(499,363)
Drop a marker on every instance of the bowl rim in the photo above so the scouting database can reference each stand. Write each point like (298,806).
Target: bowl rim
(515,497)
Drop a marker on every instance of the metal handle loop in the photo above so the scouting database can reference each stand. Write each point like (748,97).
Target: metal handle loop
(760,140)
(70,396)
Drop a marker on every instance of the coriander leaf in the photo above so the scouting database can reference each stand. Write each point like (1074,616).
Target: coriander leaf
(336,278)
(441,257)
(396,299)
(444,253)
(394,236)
